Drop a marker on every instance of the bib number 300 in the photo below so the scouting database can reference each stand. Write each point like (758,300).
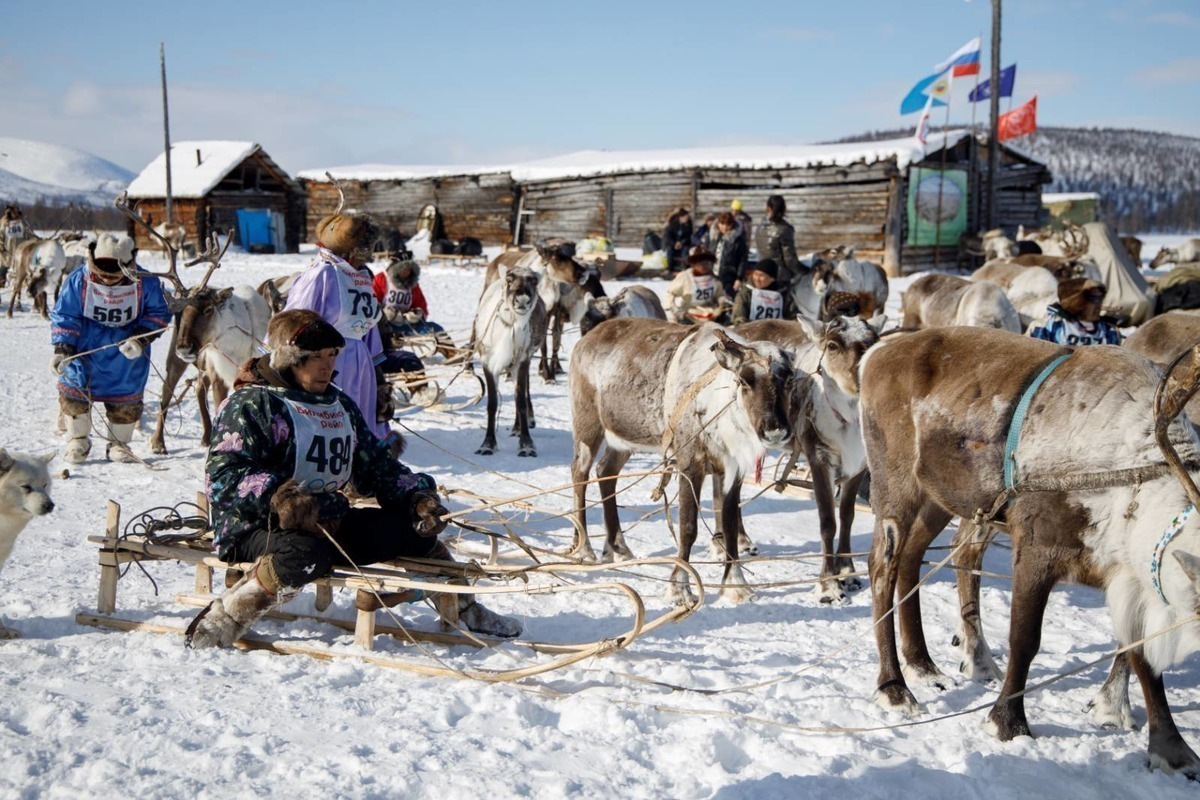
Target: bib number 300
(329,456)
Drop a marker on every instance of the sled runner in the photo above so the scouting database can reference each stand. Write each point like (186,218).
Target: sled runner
(375,586)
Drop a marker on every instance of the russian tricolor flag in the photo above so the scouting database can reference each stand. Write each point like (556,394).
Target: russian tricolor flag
(965,60)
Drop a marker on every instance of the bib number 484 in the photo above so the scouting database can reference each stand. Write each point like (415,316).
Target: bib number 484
(329,457)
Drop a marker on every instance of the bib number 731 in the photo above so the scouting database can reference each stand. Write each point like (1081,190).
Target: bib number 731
(329,456)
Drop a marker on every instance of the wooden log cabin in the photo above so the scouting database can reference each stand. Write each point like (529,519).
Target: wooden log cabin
(219,186)
(837,194)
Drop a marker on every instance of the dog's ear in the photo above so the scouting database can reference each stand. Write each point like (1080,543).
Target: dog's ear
(45,458)
(6,461)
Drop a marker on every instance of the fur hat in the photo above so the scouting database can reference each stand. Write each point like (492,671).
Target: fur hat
(1073,294)
(768,267)
(344,233)
(701,254)
(110,253)
(398,265)
(736,205)
(294,335)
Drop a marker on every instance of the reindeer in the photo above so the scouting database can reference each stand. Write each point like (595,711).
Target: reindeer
(1185,253)
(632,301)
(1071,241)
(840,285)
(1031,290)
(644,384)
(217,330)
(510,322)
(275,291)
(1133,246)
(828,433)
(38,262)
(1164,337)
(939,299)
(937,408)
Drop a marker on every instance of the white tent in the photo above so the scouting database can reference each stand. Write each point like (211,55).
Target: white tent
(1128,294)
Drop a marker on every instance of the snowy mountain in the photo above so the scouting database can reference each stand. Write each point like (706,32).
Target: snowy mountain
(49,174)
(1148,181)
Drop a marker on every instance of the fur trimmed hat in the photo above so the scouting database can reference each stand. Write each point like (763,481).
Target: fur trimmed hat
(398,266)
(344,233)
(767,266)
(701,254)
(109,253)
(294,335)
(1075,293)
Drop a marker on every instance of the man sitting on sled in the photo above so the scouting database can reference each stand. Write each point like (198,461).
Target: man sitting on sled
(286,443)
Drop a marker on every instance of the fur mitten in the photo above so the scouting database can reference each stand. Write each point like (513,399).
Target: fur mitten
(295,509)
(427,513)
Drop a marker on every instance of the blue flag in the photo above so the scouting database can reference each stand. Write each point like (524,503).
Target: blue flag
(1008,76)
(915,100)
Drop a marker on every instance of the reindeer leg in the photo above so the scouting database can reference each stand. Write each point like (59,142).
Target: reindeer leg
(175,370)
(555,366)
(829,586)
(581,467)
(1110,707)
(493,400)
(205,416)
(977,663)
(734,587)
(690,479)
(525,441)
(607,470)
(1033,578)
(544,362)
(1167,750)
(918,666)
(843,564)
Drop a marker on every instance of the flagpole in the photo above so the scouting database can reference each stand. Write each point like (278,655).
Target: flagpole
(975,94)
(937,229)
(994,123)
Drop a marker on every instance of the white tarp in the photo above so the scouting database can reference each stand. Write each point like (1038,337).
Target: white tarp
(1128,293)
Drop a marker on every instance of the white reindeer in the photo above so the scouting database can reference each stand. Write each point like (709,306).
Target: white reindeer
(37,263)
(938,299)
(1031,290)
(1092,501)
(632,301)
(1185,253)
(509,325)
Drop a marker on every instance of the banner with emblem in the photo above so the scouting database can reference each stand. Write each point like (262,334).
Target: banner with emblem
(937,206)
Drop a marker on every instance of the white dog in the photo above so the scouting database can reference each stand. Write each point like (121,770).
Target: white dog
(24,481)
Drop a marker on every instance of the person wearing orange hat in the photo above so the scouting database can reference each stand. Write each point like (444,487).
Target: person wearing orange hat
(1075,320)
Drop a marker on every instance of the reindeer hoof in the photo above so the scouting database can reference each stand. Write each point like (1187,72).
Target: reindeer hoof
(681,596)
(850,584)
(1111,715)
(736,595)
(486,450)
(831,593)
(527,452)
(896,697)
(748,550)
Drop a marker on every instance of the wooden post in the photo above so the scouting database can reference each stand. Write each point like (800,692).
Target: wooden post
(110,573)
(204,573)
(892,232)
(364,629)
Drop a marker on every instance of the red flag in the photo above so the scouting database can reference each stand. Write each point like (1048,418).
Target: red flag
(1020,121)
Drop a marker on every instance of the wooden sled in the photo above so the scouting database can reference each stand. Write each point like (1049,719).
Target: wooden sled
(457,260)
(438,581)
(407,401)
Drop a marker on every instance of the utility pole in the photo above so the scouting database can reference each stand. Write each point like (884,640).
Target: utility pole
(162,63)
(994,126)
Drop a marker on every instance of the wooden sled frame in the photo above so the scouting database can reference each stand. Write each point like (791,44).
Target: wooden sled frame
(116,550)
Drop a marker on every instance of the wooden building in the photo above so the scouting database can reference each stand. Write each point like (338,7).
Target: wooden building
(863,194)
(211,182)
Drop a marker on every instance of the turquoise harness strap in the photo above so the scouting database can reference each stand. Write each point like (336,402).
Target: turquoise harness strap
(1018,419)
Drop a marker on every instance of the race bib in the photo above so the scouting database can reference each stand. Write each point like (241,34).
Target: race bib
(1079,336)
(766,304)
(398,298)
(704,288)
(325,445)
(360,310)
(14,230)
(111,306)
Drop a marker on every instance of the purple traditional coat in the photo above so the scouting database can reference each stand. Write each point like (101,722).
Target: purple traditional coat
(345,298)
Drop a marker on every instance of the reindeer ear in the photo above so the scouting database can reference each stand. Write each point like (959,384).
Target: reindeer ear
(813,330)
(1189,563)
(877,322)
(850,251)
(46,458)
(6,461)
(729,353)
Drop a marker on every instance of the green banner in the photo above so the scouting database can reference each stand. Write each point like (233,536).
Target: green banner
(937,206)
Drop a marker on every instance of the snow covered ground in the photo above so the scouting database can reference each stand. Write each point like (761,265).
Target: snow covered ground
(770,699)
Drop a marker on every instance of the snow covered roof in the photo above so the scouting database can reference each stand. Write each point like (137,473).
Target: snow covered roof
(188,178)
(1068,197)
(604,162)
(393,172)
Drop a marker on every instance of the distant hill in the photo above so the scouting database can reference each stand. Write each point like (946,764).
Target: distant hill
(1148,181)
(37,173)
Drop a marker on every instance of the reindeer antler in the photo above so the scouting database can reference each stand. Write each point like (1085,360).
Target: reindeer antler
(341,195)
(1169,401)
(172,273)
(212,256)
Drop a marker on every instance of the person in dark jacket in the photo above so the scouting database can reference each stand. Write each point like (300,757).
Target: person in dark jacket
(776,240)
(677,237)
(741,219)
(731,253)
(286,444)
(763,296)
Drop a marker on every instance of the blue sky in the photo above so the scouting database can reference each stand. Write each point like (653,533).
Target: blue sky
(438,82)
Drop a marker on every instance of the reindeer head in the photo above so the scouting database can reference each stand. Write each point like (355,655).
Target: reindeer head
(558,255)
(198,320)
(766,382)
(842,341)
(599,309)
(1166,255)
(521,289)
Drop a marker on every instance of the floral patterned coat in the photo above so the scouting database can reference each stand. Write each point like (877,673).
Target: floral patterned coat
(254,451)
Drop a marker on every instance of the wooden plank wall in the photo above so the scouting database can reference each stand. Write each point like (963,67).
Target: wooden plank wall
(482,206)
(189,211)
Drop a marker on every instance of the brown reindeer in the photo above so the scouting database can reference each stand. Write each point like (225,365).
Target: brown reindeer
(938,299)
(1164,337)
(37,263)
(1091,502)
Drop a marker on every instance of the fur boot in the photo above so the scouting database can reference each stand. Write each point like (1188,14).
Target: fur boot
(229,617)
(118,449)
(78,442)
(483,620)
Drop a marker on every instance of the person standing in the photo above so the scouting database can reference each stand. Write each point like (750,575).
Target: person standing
(285,446)
(745,225)
(677,238)
(776,240)
(731,253)
(340,288)
(101,328)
